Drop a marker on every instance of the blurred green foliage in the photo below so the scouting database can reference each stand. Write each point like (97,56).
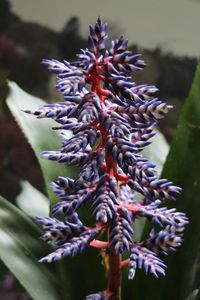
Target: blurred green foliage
(20,250)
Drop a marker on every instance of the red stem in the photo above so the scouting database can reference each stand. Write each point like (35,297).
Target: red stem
(114,275)
(114,261)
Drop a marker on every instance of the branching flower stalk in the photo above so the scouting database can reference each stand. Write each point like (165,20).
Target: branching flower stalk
(111,119)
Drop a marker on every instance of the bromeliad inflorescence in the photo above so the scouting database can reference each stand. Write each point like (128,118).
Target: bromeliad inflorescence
(111,119)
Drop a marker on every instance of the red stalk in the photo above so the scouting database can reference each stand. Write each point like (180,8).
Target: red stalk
(114,260)
(114,275)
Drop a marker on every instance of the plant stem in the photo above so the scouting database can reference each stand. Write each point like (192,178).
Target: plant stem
(114,260)
(114,275)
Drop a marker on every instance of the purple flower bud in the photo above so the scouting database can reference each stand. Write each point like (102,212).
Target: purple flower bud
(121,231)
(99,296)
(105,200)
(147,260)
(72,246)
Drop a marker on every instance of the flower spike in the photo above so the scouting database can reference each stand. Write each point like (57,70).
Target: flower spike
(111,120)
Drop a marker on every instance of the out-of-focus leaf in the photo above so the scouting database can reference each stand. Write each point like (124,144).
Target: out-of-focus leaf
(193,296)
(38,132)
(20,250)
(32,201)
(157,151)
(183,168)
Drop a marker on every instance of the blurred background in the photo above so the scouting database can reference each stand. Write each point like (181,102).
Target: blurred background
(166,33)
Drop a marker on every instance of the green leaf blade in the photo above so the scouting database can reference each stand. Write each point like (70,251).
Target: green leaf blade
(38,133)
(183,168)
(20,250)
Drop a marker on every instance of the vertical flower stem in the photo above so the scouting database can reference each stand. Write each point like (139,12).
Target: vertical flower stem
(114,275)
(114,260)
(114,270)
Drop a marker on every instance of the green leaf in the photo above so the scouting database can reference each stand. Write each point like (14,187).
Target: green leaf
(39,134)
(20,250)
(183,168)
(32,201)
(193,296)
(157,151)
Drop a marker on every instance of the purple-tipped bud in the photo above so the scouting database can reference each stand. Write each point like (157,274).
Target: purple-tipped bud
(121,231)
(72,246)
(105,200)
(147,260)
(162,215)
(105,295)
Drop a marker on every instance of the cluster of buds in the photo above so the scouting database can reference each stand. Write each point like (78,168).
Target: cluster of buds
(111,119)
